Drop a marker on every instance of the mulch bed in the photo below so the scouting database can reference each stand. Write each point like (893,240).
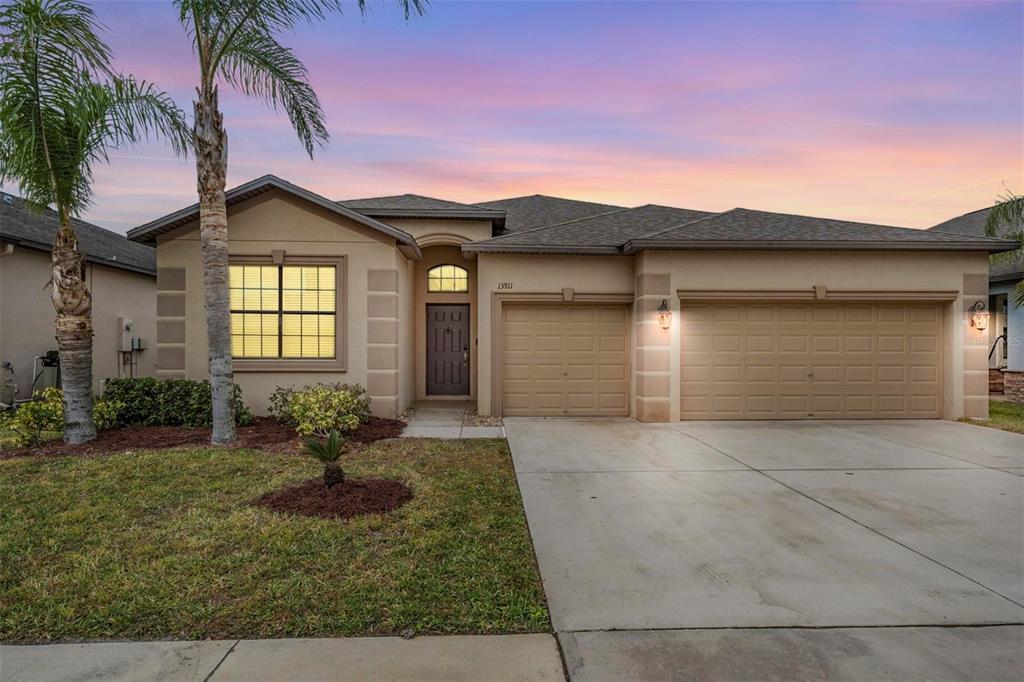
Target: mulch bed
(265,433)
(343,501)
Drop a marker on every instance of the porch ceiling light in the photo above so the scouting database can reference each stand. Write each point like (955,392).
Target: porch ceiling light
(979,316)
(664,315)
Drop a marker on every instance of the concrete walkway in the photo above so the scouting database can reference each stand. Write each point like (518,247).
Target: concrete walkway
(480,657)
(445,419)
(778,550)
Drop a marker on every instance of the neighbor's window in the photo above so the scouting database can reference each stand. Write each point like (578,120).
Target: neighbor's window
(447,278)
(283,311)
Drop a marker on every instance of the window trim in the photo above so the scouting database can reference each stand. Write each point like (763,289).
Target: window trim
(339,363)
(444,265)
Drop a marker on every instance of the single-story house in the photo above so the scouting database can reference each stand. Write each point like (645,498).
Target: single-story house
(121,275)
(551,307)
(1006,346)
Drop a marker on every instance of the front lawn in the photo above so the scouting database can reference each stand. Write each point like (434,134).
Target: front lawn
(1005,416)
(166,545)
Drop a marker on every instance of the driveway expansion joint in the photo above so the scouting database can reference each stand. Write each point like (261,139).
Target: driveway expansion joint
(221,661)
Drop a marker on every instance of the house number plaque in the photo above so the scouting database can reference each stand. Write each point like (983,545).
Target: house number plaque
(504,285)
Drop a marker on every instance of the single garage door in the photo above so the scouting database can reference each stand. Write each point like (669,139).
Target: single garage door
(810,360)
(564,359)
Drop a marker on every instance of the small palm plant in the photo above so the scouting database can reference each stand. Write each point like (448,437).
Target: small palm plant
(329,452)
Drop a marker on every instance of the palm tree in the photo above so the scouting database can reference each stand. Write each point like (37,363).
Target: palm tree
(235,42)
(62,109)
(1006,219)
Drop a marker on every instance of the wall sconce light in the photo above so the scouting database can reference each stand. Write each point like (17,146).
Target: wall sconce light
(979,316)
(664,315)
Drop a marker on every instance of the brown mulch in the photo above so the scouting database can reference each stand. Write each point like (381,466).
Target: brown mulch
(265,433)
(343,501)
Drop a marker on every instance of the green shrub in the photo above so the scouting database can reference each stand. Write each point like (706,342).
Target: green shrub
(45,412)
(321,408)
(168,402)
(106,414)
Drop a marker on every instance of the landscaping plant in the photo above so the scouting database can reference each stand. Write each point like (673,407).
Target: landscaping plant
(329,452)
(62,109)
(45,414)
(321,408)
(168,402)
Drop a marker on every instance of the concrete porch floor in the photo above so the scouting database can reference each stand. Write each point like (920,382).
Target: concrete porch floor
(445,419)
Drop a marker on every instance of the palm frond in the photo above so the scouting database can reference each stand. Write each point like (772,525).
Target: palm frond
(57,117)
(327,450)
(260,66)
(1007,213)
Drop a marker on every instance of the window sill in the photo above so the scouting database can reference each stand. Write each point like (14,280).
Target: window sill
(243,366)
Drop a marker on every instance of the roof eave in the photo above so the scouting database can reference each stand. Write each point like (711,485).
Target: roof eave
(992,246)
(48,248)
(148,233)
(477,247)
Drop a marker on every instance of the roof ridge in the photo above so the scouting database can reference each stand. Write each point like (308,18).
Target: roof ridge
(550,196)
(559,224)
(676,227)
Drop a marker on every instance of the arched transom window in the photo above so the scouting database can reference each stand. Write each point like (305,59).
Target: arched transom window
(447,279)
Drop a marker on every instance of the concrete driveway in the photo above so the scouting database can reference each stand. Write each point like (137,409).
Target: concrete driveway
(778,550)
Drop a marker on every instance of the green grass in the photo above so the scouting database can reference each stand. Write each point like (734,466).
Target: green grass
(165,544)
(1003,415)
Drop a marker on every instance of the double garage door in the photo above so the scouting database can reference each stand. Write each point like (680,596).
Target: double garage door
(810,360)
(738,360)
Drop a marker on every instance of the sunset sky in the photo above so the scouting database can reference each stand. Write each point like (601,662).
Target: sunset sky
(903,114)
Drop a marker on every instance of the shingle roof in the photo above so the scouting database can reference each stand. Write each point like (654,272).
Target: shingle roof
(745,228)
(607,231)
(523,213)
(405,201)
(973,224)
(21,225)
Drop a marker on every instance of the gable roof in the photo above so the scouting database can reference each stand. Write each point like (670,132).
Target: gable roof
(745,228)
(602,233)
(150,231)
(973,224)
(22,226)
(418,206)
(523,213)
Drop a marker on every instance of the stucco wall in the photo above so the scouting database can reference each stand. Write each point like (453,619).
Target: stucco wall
(964,351)
(277,221)
(435,230)
(27,315)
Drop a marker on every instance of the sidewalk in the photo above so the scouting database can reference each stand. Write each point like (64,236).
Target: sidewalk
(455,657)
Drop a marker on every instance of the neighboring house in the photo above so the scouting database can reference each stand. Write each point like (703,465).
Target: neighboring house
(1006,349)
(550,307)
(120,274)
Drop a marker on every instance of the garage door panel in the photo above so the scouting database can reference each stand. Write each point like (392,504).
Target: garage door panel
(573,360)
(810,361)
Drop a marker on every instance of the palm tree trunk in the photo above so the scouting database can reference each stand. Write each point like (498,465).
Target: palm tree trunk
(73,302)
(211,146)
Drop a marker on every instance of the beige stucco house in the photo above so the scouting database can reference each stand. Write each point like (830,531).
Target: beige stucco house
(552,307)
(120,274)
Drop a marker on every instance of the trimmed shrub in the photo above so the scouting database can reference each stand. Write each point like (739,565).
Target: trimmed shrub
(168,402)
(321,408)
(45,412)
(106,414)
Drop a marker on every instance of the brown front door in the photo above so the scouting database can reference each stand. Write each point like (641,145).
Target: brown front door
(448,350)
